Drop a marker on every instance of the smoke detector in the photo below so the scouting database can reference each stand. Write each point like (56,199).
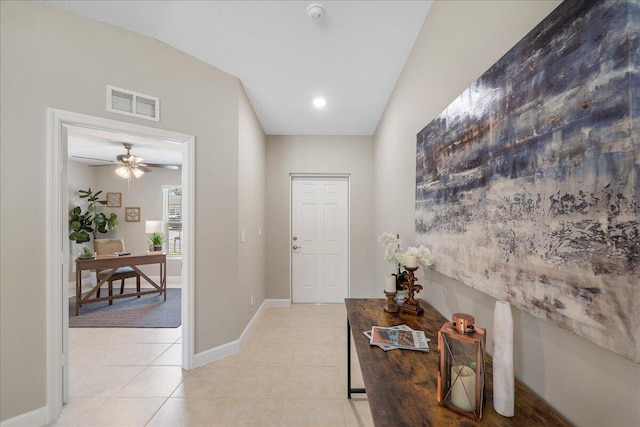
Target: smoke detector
(316,11)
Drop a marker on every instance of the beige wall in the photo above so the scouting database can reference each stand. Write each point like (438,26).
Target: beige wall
(53,59)
(252,183)
(459,41)
(319,154)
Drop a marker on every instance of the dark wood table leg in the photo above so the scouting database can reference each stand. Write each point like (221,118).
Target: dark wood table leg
(163,278)
(349,388)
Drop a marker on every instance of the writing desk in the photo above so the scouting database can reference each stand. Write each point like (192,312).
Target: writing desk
(113,262)
(401,385)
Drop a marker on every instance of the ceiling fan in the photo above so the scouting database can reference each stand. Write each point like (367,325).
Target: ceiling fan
(129,164)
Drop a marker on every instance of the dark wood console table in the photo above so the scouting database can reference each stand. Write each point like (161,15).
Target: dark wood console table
(102,262)
(401,384)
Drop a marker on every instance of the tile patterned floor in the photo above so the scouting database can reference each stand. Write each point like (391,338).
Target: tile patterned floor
(291,371)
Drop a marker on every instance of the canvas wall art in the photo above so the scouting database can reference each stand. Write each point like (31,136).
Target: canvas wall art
(527,183)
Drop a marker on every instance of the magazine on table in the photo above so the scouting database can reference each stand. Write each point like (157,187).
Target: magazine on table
(398,337)
(387,347)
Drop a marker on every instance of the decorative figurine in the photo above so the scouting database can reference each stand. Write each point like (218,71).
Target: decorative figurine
(411,305)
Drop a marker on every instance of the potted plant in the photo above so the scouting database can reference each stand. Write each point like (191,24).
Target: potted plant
(157,240)
(85,225)
(86,253)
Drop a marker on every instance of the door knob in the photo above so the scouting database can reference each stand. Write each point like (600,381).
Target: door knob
(296,247)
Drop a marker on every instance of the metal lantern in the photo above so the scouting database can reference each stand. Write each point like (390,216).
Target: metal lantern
(462,366)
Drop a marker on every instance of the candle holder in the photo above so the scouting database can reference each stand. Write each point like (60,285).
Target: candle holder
(391,306)
(411,305)
(462,366)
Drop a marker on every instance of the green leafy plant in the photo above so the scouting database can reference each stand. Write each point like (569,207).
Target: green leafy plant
(156,239)
(86,224)
(86,253)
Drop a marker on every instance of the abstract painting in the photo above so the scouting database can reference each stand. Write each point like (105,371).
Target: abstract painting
(527,183)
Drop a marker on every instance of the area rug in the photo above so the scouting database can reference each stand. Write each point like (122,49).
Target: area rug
(148,311)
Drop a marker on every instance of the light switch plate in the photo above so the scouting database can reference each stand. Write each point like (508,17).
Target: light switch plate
(242,236)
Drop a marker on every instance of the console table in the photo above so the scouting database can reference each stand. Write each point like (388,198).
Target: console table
(401,385)
(113,262)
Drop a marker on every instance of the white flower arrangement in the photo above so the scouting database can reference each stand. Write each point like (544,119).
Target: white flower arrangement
(394,253)
(425,257)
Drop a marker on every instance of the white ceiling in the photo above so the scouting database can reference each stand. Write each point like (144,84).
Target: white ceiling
(101,147)
(353,57)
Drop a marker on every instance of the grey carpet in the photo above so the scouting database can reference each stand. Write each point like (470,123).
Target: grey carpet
(148,311)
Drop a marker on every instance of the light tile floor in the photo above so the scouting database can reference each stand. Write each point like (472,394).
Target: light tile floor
(291,371)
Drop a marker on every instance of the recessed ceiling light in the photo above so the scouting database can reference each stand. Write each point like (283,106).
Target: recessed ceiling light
(319,102)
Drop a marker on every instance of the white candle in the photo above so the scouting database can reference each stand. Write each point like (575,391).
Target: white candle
(390,283)
(411,261)
(463,388)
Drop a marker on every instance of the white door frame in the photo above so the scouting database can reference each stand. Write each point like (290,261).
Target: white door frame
(57,247)
(292,176)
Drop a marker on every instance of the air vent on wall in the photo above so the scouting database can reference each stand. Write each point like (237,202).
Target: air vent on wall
(123,101)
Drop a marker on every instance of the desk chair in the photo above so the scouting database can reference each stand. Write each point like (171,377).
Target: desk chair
(109,246)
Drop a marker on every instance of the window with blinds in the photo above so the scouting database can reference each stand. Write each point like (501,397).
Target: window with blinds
(172,217)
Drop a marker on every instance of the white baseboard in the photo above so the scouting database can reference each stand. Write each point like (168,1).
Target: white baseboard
(216,353)
(247,329)
(276,303)
(234,346)
(171,281)
(37,417)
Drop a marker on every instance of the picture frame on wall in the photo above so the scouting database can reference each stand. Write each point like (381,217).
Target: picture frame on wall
(132,214)
(114,200)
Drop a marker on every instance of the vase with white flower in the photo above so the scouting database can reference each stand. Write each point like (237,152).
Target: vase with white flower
(422,255)
(413,256)
(393,254)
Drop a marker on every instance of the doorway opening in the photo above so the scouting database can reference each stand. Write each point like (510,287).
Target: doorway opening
(61,123)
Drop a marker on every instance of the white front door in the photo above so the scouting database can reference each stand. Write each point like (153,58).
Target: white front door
(320,239)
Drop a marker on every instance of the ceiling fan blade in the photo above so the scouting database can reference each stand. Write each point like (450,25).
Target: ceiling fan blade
(158,165)
(144,169)
(93,158)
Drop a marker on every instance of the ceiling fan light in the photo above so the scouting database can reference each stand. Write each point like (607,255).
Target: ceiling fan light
(137,172)
(123,172)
